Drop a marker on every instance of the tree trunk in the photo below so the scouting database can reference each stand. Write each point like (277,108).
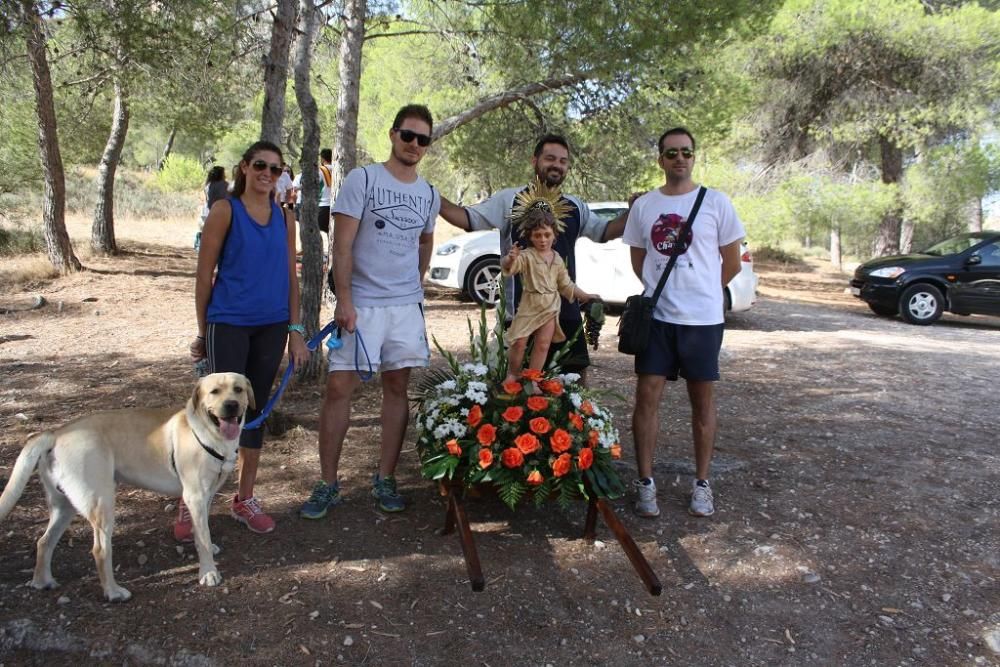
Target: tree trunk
(276,72)
(310,20)
(906,237)
(352,40)
(975,217)
(102,234)
(836,257)
(57,244)
(166,149)
(887,239)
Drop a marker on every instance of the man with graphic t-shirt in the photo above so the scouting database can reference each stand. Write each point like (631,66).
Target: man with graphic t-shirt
(688,318)
(551,163)
(383,235)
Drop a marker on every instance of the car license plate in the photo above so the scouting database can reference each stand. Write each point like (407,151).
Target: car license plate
(856,291)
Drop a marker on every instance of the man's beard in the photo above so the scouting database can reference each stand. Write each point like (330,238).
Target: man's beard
(402,156)
(550,177)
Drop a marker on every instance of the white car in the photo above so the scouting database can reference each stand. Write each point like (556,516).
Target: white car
(471,263)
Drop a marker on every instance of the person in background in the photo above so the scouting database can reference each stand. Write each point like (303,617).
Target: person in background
(251,308)
(284,189)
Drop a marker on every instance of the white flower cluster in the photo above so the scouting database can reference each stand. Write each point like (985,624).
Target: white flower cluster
(602,422)
(439,417)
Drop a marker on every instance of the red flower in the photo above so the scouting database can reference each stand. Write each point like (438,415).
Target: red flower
(539,425)
(535,478)
(553,387)
(485,458)
(585,459)
(527,443)
(537,403)
(453,447)
(512,387)
(616,451)
(576,420)
(475,416)
(587,408)
(512,458)
(594,438)
(532,374)
(560,441)
(562,465)
(487,434)
(513,414)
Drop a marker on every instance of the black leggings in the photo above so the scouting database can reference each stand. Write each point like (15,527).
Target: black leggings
(256,352)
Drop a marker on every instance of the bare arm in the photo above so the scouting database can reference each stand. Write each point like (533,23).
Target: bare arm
(455,214)
(345,230)
(731,264)
(426,246)
(638,256)
(616,227)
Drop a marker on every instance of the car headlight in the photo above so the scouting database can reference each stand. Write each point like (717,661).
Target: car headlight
(447,249)
(887,272)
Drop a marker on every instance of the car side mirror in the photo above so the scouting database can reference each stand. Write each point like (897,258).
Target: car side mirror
(973,260)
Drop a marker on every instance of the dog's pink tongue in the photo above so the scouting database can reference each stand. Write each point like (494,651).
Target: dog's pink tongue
(230,428)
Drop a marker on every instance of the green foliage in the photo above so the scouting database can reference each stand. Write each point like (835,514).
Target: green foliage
(20,167)
(180,173)
(20,240)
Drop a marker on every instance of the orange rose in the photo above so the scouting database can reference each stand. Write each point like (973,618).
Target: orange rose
(537,403)
(512,458)
(553,387)
(593,439)
(485,458)
(513,414)
(532,374)
(512,387)
(560,441)
(539,425)
(585,459)
(562,465)
(587,408)
(576,420)
(486,434)
(453,447)
(616,451)
(475,416)
(527,443)
(535,478)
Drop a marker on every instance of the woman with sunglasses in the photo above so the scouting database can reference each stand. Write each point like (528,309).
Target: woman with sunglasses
(251,308)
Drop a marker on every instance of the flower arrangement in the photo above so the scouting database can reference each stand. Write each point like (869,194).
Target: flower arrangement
(543,432)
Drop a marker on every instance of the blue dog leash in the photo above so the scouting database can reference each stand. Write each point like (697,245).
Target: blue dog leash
(311,345)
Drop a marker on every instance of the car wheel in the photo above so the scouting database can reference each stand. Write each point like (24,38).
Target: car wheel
(884,311)
(921,304)
(482,281)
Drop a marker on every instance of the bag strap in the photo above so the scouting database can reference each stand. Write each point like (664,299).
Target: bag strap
(683,236)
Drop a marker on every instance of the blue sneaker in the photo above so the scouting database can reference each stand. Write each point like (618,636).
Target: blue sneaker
(324,496)
(384,490)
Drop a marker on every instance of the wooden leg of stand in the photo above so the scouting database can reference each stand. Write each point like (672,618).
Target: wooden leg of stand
(449,517)
(639,561)
(468,546)
(590,527)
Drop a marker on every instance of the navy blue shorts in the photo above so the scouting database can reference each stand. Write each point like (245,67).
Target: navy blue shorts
(691,351)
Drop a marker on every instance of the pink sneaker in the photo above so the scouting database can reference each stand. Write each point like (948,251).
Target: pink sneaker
(249,512)
(183,530)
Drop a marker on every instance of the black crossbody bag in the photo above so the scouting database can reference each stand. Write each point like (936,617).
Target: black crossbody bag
(637,318)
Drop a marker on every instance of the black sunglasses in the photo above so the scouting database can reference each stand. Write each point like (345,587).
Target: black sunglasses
(672,153)
(409,135)
(260,165)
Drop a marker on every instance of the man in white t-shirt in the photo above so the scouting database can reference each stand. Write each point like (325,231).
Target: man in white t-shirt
(688,318)
(384,220)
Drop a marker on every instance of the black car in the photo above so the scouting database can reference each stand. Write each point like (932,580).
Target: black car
(960,275)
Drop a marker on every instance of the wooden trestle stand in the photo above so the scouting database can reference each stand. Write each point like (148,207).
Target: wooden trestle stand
(456,515)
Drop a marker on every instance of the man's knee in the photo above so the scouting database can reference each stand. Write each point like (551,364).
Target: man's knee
(340,385)
(396,383)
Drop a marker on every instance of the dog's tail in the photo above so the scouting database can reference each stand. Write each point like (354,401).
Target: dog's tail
(25,465)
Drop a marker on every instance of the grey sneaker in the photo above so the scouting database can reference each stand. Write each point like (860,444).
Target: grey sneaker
(701,500)
(645,502)
(384,490)
(323,497)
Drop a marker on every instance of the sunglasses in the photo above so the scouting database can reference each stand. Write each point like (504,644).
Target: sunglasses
(409,135)
(672,153)
(260,165)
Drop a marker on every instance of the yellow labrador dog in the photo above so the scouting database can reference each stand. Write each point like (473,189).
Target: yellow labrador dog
(187,453)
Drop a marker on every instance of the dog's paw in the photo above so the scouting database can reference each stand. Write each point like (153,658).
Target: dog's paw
(117,594)
(43,584)
(211,578)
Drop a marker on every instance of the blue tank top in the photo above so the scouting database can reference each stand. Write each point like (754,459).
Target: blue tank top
(251,285)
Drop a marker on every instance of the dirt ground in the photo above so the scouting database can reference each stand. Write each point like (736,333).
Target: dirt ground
(857,485)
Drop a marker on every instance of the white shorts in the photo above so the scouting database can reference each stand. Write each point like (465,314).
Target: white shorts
(394,337)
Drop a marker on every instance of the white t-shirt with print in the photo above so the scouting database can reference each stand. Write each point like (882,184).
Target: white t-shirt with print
(693,293)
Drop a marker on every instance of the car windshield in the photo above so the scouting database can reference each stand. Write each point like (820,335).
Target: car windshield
(606,213)
(956,244)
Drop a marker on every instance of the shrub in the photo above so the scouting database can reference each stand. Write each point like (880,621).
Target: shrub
(20,240)
(180,173)
(777,255)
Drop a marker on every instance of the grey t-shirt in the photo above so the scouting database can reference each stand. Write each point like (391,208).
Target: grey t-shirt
(393,215)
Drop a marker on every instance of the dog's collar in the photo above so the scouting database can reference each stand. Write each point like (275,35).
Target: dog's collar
(208,449)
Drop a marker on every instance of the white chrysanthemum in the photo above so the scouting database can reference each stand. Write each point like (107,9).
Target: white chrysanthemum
(447,385)
(569,378)
(478,386)
(576,400)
